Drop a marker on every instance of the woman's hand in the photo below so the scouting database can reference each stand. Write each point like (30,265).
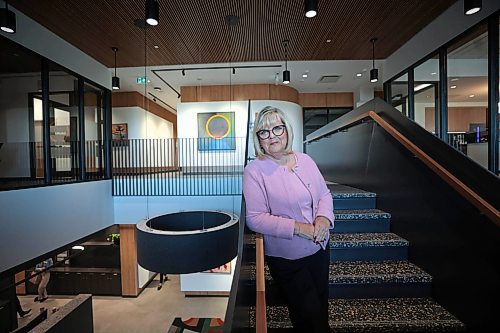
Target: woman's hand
(321,228)
(304,230)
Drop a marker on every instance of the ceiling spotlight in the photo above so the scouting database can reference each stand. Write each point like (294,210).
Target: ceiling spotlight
(310,8)
(286,72)
(152,12)
(304,75)
(453,87)
(156,47)
(472,96)
(472,6)
(373,71)
(157,88)
(359,74)
(454,79)
(7,20)
(328,40)
(433,73)
(421,86)
(115,80)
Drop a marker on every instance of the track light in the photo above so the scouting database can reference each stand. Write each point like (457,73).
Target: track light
(115,81)
(152,12)
(310,8)
(373,71)
(183,73)
(472,6)
(286,72)
(234,70)
(7,20)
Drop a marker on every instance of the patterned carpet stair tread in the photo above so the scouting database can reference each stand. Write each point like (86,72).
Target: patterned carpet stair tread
(378,315)
(377,272)
(361,214)
(371,239)
(344,191)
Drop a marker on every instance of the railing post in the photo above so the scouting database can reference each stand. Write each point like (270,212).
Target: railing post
(260,304)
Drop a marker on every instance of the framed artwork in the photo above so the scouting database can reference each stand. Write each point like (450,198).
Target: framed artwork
(224,269)
(216,131)
(119,134)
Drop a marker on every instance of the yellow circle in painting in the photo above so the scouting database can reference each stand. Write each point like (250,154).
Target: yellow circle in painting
(212,118)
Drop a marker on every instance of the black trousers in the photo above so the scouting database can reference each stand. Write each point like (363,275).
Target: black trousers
(304,285)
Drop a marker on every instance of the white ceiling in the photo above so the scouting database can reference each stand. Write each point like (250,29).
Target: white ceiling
(348,81)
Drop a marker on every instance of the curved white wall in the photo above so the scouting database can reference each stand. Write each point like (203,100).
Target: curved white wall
(188,127)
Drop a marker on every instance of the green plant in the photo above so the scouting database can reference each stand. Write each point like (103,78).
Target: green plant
(115,238)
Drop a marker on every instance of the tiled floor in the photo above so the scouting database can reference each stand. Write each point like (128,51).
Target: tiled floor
(153,311)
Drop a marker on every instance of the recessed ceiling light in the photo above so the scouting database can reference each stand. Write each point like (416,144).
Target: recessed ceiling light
(454,79)
(453,87)
(304,75)
(156,47)
(359,74)
(421,86)
(472,96)
(433,73)
(157,88)
(328,40)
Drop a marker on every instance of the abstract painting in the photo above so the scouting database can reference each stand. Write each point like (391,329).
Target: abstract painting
(216,131)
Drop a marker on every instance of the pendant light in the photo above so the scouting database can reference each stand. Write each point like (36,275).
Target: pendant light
(310,8)
(472,6)
(373,71)
(115,81)
(7,20)
(286,72)
(152,12)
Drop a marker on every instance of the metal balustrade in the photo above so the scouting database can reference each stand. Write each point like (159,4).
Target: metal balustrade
(178,166)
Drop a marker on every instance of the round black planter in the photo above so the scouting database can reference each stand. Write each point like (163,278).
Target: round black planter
(187,242)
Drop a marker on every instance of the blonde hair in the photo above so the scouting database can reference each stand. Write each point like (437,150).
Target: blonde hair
(264,119)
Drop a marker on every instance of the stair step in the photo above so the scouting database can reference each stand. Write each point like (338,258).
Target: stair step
(375,315)
(346,197)
(361,220)
(385,279)
(367,247)
(378,279)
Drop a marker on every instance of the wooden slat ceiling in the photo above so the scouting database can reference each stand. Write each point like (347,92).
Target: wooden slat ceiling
(192,32)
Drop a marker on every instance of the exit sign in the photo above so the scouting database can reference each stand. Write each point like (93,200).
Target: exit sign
(141,80)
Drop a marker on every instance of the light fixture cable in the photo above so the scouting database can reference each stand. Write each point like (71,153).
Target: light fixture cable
(286,72)
(115,80)
(373,71)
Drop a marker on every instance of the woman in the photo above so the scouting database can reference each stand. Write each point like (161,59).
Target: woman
(289,203)
(43,267)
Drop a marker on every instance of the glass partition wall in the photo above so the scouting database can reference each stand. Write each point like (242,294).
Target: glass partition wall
(447,93)
(55,141)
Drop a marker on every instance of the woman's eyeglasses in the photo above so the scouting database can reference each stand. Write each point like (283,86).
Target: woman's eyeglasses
(277,131)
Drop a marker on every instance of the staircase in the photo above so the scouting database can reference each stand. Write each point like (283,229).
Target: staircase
(373,287)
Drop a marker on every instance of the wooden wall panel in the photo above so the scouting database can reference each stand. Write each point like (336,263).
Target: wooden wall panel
(283,93)
(243,92)
(21,288)
(340,99)
(133,98)
(379,94)
(312,100)
(239,92)
(189,94)
(213,93)
(459,118)
(128,260)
